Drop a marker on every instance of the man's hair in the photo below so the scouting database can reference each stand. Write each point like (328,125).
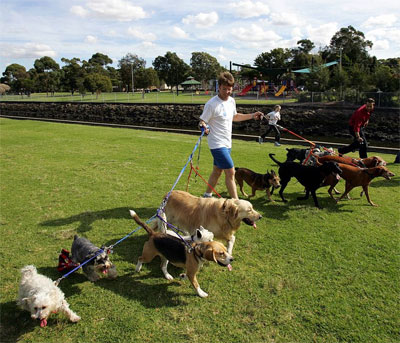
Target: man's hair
(226,78)
(277,108)
(370,101)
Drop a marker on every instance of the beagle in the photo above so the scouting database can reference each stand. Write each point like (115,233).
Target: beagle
(172,249)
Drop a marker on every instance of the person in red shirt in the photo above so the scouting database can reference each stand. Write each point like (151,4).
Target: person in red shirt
(358,121)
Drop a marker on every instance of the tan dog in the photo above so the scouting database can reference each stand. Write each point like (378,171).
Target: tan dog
(257,181)
(220,216)
(355,177)
(173,249)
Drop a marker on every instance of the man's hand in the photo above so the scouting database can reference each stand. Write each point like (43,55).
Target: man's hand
(258,115)
(204,126)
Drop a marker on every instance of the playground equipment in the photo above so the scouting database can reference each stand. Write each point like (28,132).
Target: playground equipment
(246,89)
(278,93)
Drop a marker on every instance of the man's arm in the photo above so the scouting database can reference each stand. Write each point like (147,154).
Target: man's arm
(242,117)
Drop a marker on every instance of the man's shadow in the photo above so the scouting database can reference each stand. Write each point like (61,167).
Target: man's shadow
(87,218)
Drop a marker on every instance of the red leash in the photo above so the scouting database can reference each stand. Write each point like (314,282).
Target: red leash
(197,173)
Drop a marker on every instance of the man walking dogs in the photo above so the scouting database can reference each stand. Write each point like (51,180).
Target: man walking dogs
(358,121)
(217,117)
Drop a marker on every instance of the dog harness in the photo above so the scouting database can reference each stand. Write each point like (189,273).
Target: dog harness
(65,263)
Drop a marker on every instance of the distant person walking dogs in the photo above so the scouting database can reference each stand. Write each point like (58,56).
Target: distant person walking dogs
(273,118)
(357,123)
(217,117)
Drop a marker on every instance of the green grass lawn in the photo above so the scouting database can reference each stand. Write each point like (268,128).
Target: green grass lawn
(152,97)
(304,275)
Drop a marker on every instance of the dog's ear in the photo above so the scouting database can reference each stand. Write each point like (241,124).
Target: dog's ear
(232,209)
(209,255)
(26,301)
(273,172)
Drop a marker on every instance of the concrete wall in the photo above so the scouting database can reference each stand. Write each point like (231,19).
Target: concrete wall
(305,120)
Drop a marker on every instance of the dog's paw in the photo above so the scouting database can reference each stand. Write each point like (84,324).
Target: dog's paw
(74,318)
(201,293)
(168,276)
(93,277)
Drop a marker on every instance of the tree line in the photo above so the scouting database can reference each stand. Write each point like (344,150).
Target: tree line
(356,69)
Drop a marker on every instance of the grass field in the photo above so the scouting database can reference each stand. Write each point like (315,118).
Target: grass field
(152,97)
(304,275)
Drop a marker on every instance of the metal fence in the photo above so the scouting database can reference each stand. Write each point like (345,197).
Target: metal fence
(382,99)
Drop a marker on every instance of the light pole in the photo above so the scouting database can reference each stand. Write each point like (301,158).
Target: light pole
(133,90)
(340,71)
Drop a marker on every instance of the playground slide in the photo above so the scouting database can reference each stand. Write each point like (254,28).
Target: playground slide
(246,89)
(280,91)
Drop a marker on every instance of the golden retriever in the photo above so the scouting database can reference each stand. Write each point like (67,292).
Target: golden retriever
(220,216)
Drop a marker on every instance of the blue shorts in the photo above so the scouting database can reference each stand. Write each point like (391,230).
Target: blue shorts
(222,158)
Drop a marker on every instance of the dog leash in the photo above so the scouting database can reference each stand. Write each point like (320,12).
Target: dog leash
(175,229)
(165,200)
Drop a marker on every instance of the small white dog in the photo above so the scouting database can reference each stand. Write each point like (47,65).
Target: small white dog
(40,296)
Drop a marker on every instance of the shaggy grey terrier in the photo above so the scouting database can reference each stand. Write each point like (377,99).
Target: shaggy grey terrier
(82,250)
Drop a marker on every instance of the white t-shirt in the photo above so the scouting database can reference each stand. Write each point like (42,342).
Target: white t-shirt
(218,115)
(273,117)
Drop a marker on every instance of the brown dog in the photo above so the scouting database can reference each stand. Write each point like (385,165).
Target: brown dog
(257,181)
(220,216)
(172,249)
(355,177)
(368,162)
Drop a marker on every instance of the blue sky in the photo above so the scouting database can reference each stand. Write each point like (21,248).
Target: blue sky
(230,30)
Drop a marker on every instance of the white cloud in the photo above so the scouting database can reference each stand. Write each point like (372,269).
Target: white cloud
(285,19)
(27,50)
(250,9)
(381,45)
(322,34)
(254,33)
(90,39)
(142,35)
(201,19)
(119,10)
(177,32)
(79,11)
(386,20)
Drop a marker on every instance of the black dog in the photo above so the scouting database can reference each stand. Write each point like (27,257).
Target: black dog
(294,154)
(311,177)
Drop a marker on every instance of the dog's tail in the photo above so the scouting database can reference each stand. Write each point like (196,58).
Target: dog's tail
(28,271)
(139,221)
(273,159)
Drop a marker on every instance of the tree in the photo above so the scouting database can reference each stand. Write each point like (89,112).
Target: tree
(146,78)
(14,76)
(204,66)
(74,74)
(97,83)
(129,65)
(48,73)
(171,69)
(305,46)
(273,63)
(352,44)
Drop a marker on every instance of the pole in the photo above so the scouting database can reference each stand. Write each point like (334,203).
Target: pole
(133,90)
(340,71)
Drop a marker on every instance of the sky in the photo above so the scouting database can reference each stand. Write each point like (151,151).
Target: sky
(229,30)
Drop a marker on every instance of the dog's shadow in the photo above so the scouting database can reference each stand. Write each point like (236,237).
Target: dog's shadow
(149,287)
(279,210)
(86,219)
(15,322)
